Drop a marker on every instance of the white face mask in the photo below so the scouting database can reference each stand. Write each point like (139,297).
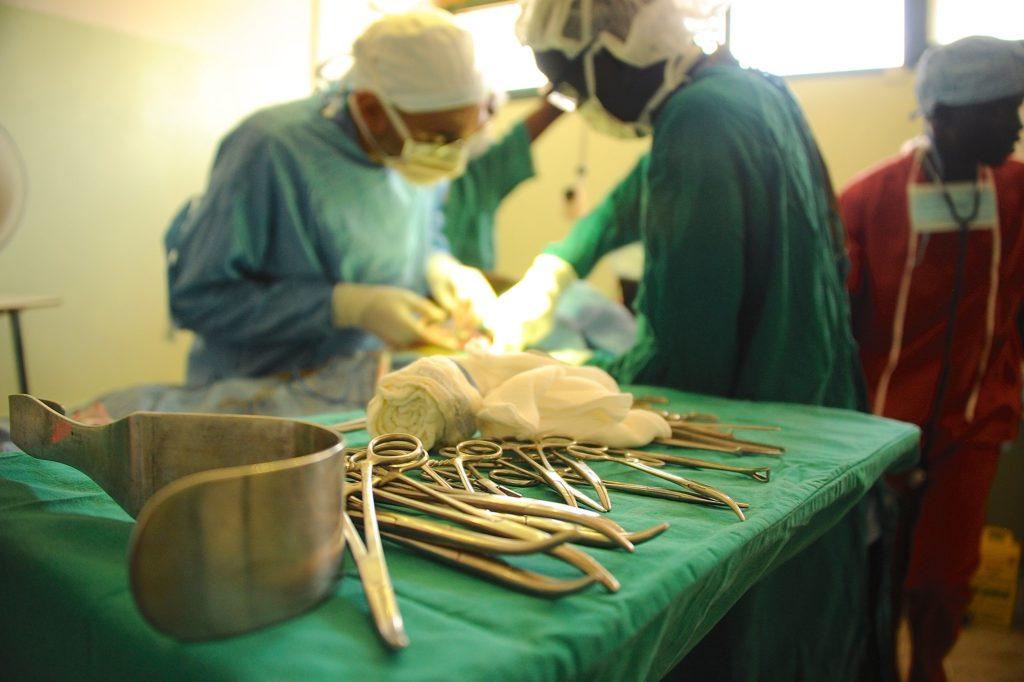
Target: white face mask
(601,121)
(930,211)
(421,163)
(425,163)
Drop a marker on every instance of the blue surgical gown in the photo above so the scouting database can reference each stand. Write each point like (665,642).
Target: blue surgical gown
(294,206)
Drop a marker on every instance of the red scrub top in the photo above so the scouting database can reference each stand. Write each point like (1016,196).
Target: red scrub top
(875,213)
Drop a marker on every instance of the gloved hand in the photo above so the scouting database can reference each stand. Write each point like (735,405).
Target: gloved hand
(525,313)
(461,290)
(397,316)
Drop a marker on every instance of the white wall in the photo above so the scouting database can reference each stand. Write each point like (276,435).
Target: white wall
(116,107)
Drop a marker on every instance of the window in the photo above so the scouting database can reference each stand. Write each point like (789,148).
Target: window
(337,24)
(789,37)
(509,65)
(955,19)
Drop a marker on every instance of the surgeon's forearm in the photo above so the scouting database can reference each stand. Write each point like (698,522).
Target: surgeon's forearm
(247,312)
(537,122)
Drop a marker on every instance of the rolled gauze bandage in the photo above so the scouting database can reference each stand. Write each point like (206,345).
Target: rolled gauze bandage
(431,399)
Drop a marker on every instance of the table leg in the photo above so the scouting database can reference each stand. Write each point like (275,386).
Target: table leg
(19,351)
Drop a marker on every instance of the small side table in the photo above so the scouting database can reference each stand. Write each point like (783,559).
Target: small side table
(13,305)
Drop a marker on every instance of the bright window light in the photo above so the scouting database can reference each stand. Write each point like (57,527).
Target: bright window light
(788,37)
(955,19)
(507,64)
(340,22)
(511,66)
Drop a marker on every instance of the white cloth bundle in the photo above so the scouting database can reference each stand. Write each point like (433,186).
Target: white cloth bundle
(431,399)
(521,395)
(549,398)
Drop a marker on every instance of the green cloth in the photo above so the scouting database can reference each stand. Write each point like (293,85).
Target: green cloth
(474,197)
(742,294)
(68,614)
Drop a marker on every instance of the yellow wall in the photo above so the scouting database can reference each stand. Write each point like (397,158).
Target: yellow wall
(116,106)
(859,119)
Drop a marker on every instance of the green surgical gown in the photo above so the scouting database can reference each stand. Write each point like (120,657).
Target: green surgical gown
(742,294)
(475,196)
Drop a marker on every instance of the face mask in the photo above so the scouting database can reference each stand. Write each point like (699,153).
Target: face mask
(421,163)
(594,113)
(425,163)
(930,210)
(600,120)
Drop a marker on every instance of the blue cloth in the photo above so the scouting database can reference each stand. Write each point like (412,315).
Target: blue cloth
(972,70)
(294,206)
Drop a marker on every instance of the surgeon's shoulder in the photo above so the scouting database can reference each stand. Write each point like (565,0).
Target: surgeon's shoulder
(716,106)
(266,129)
(709,100)
(275,122)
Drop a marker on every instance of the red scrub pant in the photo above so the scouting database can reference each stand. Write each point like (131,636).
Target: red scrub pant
(933,582)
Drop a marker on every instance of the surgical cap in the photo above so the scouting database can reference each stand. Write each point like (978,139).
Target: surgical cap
(637,32)
(419,61)
(970,71)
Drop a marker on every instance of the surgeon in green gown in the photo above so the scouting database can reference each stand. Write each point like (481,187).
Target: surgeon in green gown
(742,292)
(471,200)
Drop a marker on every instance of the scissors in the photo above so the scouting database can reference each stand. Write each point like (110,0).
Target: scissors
(601,452)
(396,451)
(580,469)
(465,453)
(396,486)
(569,493)
(762,474)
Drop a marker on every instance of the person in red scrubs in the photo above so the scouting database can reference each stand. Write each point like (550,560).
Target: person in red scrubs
(937,255)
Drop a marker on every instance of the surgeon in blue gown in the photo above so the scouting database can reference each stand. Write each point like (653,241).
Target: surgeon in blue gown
(320,233)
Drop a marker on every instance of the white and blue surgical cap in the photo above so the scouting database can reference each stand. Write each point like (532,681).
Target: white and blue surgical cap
(973,70)
(637,32)
(419,61)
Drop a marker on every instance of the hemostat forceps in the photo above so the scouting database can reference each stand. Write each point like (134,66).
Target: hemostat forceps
(393,451)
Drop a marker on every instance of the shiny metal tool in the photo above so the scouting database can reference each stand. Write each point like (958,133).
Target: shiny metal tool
(601,452)
(239,518)
(398,451)
(760,474)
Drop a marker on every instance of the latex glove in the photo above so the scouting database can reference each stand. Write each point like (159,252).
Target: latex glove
(461,290)
(397,316)
(525,313)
